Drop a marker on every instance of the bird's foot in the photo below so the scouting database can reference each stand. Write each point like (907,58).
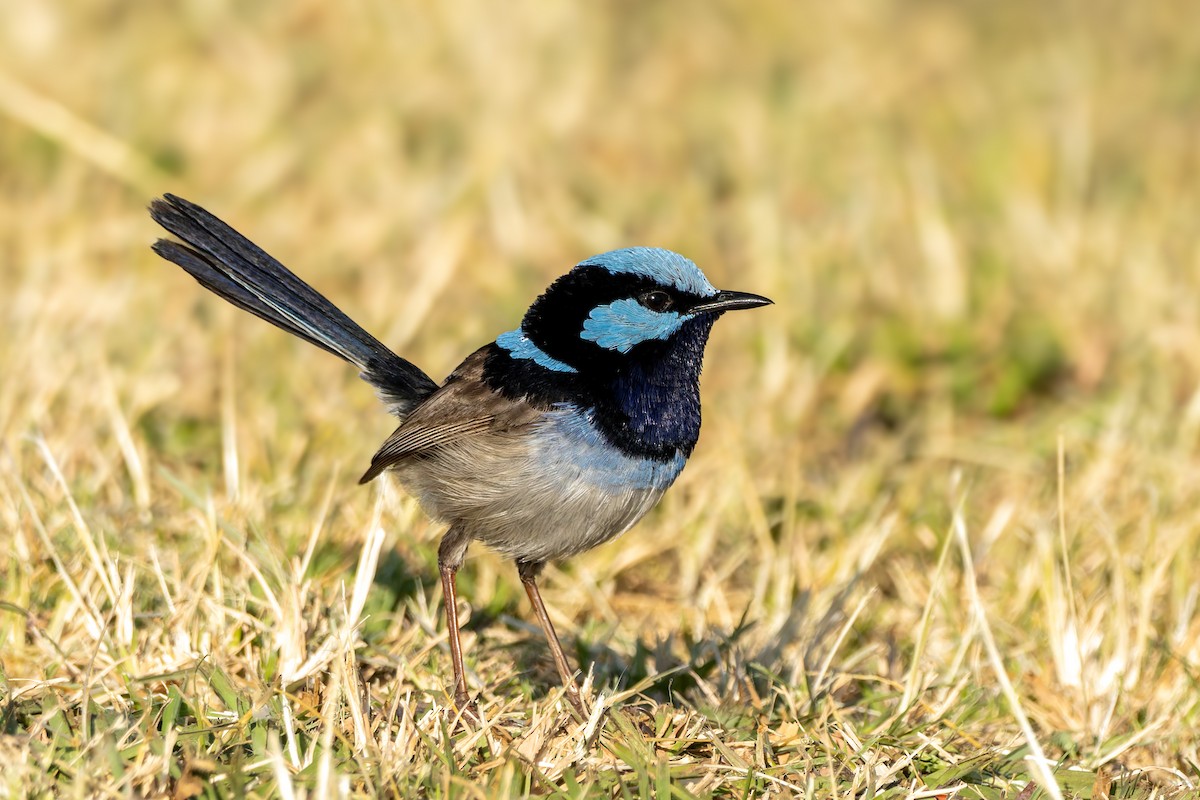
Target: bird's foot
(467,712)
(575,698)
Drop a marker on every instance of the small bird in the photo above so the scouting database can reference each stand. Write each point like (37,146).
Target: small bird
(553,439)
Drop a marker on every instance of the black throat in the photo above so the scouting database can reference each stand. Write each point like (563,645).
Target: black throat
(647,404)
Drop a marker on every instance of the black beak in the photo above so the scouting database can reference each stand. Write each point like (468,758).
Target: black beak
(730,301)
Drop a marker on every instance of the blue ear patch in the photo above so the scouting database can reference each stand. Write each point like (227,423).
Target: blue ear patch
(661,266)
(518,345)
(624,324)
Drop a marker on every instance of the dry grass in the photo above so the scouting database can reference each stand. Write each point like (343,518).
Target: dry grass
(940,534)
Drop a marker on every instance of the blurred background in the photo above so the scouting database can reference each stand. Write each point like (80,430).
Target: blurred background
(978,221)
(987,203)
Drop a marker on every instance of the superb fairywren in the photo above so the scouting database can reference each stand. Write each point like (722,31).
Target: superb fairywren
(556,437)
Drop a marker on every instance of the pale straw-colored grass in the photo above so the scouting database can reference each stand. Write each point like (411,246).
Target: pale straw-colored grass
(938,539)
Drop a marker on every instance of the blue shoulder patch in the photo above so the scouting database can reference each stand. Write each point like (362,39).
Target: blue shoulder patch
(664,266)
(518,345)
(623,324)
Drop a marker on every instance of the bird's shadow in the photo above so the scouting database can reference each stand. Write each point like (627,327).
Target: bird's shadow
(719,669)
(665,668)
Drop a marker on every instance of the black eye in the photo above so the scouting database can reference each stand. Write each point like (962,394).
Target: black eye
(656,300)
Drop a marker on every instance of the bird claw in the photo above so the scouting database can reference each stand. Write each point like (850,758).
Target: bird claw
(467,712)
(575,699)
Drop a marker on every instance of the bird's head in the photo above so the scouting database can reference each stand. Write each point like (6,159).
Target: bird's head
(622,310)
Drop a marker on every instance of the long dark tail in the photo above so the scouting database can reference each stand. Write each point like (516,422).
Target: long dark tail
(230,265)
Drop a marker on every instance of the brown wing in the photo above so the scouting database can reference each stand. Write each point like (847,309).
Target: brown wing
(463,407)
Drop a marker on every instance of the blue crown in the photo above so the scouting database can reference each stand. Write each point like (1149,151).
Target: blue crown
(662,266)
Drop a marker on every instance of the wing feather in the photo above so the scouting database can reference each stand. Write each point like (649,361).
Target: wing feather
(462,409)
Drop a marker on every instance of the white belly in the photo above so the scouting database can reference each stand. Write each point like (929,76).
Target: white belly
(553,492)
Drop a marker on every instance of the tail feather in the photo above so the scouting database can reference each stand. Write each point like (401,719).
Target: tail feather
(217,283)
(231,266)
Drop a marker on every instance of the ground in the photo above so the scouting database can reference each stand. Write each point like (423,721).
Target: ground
(939,536)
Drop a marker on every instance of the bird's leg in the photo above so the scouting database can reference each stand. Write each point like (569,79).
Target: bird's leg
(529,571)
(451,552)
